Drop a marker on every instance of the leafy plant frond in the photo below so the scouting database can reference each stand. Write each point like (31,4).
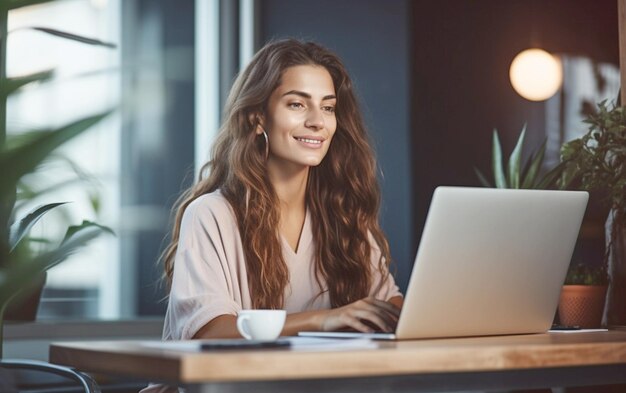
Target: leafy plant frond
(15,4)
(534,166)
(12,84)
(519,174)
(551,177)
(69,36)
(496,162)
(27,223)
(482,178)
(598,158)
(515,161)
(85,226)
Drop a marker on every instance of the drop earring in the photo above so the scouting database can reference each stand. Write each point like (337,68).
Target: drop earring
(267,145)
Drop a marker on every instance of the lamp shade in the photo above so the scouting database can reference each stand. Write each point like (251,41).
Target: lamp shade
(536,74)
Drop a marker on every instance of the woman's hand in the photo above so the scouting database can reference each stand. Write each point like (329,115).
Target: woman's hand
(365,315)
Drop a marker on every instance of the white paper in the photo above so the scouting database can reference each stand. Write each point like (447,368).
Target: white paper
(297,344)
(184,345)
(330,344)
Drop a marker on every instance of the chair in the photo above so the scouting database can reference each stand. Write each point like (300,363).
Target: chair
(32,376)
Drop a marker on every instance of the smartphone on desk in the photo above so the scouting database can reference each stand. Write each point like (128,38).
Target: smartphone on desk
(242,344)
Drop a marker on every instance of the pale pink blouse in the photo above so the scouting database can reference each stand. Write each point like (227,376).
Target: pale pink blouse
(210,272)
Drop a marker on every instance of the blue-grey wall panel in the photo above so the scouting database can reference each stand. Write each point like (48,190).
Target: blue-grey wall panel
(373,39)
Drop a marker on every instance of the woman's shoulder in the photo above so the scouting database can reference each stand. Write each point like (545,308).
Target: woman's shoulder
(209,205)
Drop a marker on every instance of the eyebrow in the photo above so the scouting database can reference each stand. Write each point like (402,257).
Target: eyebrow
(308,96)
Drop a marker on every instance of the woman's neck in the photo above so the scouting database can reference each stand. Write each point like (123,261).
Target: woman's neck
(290,186)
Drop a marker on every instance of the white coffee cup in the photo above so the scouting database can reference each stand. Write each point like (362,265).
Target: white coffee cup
(261,324)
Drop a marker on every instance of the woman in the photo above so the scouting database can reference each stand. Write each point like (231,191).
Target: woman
(284,216)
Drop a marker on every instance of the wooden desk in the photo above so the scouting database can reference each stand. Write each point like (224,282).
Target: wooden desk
(504,362)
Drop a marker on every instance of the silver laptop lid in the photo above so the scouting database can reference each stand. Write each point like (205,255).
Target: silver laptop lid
(491,261)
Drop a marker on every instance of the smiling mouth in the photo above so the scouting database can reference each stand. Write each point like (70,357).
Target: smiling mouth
(306,140)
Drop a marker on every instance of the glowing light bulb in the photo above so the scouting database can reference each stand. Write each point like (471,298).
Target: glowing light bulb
(536,74)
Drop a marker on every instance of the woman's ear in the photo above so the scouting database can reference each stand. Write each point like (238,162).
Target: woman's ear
(258,121)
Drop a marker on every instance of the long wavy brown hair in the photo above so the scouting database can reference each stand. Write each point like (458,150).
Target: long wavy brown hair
(343,196)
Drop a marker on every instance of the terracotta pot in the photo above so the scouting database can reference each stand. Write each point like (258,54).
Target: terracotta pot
(582,305)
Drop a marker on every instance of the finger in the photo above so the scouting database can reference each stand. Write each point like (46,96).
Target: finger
(376,318)
(368,305)
(356,324)
(391,312)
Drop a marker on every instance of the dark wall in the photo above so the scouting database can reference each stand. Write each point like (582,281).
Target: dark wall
(461,52)
(373,39)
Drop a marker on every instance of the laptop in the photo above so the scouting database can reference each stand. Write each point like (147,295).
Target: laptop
(490,262)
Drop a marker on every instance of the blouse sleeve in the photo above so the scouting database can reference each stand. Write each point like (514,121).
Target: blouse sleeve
(204,284)
(383,285)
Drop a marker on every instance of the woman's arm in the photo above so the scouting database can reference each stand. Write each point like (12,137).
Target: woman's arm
(365,315)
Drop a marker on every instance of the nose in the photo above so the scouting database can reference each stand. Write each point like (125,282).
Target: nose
(315,119)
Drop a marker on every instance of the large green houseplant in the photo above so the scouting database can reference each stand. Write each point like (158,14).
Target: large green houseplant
(597,162)
(19,157)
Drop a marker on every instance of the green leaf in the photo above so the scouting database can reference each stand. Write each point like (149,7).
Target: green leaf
(19,160)
(515,161)
(94,200)
(27,223)
(535,165)
(550,178)
(496,162)
(12,84)
(39,240)
(15,4)
(71,36)
(571,149)
(526,168)
(569,174)
(483,180)
(75,230)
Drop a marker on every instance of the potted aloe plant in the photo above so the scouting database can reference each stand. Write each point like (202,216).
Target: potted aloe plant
(596,162)
(517,174)
(19,157)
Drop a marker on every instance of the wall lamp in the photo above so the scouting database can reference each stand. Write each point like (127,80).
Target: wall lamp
(536,74)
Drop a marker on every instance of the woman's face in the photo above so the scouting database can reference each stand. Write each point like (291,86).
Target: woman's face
(300,121)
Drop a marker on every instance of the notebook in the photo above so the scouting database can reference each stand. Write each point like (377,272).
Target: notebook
(490,262)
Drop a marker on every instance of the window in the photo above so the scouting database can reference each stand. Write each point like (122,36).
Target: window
(163,78)
(86,81)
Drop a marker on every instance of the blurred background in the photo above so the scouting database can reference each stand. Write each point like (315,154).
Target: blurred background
(432,78)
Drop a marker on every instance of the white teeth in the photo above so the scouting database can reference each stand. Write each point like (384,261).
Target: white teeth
(309,140)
